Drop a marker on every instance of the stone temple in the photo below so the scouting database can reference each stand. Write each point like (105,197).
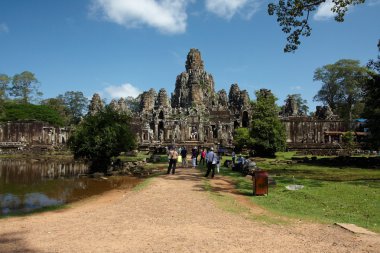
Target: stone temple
(195,114)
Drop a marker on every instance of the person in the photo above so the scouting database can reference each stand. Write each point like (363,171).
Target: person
(202,161)
(184,154)
(240,163)
(233,158)
(194,154)
(211,162)
(173,155)
(218,159)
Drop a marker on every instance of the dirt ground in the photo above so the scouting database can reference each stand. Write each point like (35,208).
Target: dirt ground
(172,214)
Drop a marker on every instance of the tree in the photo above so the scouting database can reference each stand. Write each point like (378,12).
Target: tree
(242,138)
(133,103)
(375,65)
(76,105)
(267,132)
(342,87)
(4,81)
(24,85)
(293,17)
(101,136)
(300,102)
(58,105)
(372,102)
(348,139)
(15,111)
(372,110)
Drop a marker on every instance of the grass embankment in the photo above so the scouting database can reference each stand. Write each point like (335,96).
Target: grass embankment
(330,194)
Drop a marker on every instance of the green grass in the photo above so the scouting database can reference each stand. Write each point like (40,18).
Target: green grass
(331,194)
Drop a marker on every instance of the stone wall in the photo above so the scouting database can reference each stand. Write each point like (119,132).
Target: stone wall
(31,133)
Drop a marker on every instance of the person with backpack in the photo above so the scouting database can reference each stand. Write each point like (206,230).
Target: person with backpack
(184,154)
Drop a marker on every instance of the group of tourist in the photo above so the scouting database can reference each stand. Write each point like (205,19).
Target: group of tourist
(208,158)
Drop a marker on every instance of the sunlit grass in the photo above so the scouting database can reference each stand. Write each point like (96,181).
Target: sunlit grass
(330,194)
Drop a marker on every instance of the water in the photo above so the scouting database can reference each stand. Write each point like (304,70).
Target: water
(28,185)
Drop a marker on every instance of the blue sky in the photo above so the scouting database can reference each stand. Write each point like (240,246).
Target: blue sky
(122,47)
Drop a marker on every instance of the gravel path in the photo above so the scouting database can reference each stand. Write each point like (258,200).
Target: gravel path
(172,214)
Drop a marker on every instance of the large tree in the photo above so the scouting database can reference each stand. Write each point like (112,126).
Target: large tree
(58,105)
(4,81)
(267,131)
(372,102)
(293,17)
(24,85)
(76,105)
(102,136)
(342,87)
(300,102)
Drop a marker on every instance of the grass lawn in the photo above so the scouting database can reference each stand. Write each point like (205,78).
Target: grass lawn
(330,194)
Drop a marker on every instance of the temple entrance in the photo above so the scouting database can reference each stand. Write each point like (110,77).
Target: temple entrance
(161,115)
(236,124)
(161,131)
(245,120)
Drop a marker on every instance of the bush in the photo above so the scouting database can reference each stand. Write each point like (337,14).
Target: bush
(18,112)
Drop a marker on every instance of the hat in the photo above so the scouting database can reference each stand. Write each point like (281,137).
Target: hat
(211,148)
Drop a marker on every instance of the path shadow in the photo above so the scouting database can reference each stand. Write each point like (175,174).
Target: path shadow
(187,174)
(14,242)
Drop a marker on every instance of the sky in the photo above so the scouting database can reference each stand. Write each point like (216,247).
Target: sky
(120,48)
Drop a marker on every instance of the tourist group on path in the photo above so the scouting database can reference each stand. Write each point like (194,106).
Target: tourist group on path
(210,158)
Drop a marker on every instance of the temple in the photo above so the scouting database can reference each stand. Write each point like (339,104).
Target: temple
(195,115)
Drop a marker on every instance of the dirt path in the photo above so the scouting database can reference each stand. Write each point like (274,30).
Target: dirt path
(172,214)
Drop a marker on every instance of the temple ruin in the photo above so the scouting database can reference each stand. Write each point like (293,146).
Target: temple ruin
(194,115)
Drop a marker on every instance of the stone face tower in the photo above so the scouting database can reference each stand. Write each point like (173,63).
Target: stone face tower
(194,87)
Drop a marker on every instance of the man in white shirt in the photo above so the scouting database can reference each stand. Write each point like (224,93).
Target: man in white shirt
(211,159)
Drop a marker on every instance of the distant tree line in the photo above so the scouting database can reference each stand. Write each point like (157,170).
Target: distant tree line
(20,99)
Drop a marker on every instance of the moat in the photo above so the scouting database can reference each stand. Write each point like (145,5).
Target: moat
(27,185)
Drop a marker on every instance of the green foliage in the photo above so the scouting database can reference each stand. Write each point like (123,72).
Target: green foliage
(342,87)
(293,17)
(24,85)
(348,139)
(76,105)
(372,110)
(17,112)
(301,103)
(267,132)
(242,138)
(373,64)
(101,137)
(4,81)
(133,103)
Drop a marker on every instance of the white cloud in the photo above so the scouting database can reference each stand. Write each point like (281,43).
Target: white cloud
(4,28)
(124,90)
(228,8)
(324,11)
(168,16)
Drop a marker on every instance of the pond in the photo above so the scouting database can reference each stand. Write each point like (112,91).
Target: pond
(27,185)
